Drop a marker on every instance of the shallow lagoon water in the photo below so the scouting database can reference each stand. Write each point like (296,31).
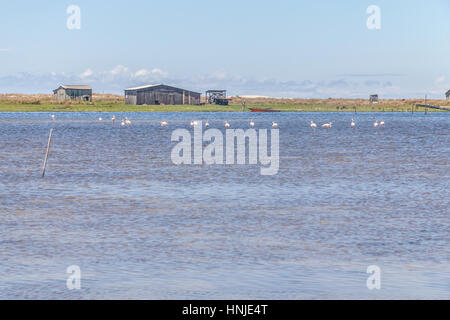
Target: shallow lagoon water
(138,226)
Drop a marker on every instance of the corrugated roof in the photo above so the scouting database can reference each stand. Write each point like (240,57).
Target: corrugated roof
(155,85)
(79,87)
(144,87)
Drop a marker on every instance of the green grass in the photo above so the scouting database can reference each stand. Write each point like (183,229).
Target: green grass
(107,106)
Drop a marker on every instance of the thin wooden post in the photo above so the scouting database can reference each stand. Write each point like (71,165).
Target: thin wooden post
(46,154)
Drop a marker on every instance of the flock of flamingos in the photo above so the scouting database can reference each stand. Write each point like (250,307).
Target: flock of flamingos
(127,122)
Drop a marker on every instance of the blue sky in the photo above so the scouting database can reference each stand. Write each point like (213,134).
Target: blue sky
(278,48)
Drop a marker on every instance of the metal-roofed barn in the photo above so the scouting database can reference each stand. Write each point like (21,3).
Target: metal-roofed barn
(73,92)
(157,94)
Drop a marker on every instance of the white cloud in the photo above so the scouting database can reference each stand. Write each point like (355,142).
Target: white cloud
(219,75)
(159,72)
(441,85)
(119,70)
(440,79)
(142,73)
(86,74)
(120,77)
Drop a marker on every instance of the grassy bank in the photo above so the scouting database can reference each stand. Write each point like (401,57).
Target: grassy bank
(115,103)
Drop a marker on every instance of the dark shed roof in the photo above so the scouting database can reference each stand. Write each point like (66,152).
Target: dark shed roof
(157,85)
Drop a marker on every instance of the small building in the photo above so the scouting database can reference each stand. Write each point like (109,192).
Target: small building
(217,97)
(374,98)
(73,92)
(447,95)
(159,94)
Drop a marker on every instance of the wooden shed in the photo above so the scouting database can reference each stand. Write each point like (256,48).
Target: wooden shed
(373,98)
(73,92)
(157,94)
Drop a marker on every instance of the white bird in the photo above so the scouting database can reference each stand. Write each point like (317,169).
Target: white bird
(206,124)
(353,124)
(113,118)
(375,124)
(327,125)
(313,125)
(100,119)
(252,124)
(128,122)
(122,123)
(227,125)
(164,123)
(53,117)
(274,124)
(382,124)
(193,123)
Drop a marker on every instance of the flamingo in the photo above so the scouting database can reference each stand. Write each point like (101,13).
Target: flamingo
(128,122)
(376,124)
(313,125)
(164,123)
(207,124)
(252,124)
(274,124)
(193,123)
(227,125)
(122,123)
(327,125)
(113,118)
(353,124)
(100,119)
(53,117)
(382,124)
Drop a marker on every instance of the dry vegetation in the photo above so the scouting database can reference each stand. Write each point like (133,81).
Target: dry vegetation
(116,103)
(41,99)
(335,102)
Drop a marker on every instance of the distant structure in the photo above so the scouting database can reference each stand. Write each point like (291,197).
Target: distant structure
(217,97)
(73,92)
(160,94)
(374,98)
(447,95)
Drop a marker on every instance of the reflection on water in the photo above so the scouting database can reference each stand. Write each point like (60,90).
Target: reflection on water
(140,227)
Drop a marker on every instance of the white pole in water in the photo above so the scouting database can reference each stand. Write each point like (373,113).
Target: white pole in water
(46,154)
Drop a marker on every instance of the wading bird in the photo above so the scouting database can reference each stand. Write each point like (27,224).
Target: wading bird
(274,124)
(313,125)
(53,117)
(113,118)
(227,125)
(207,124)
(164,124)
(193,123)
(100,119)
(382,124)
(122,123)
(252,124)
(376,124)
(327,125)
(353,124)
(128,122)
